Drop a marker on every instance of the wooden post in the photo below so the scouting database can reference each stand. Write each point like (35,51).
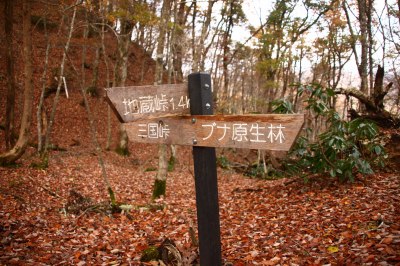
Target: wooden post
(205,173)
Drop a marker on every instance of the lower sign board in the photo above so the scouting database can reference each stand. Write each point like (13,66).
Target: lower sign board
(269,132)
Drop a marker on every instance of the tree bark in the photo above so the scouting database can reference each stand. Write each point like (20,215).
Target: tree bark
(201,50)
(97,148)
(61,74)
(179,40)
(96,67)
(19,148)
(363,67)
(362,62)
(160,180)
(103,50)
(9,121)
(121,72)
(227,35)
(374,112)
(379,92)
(41,116)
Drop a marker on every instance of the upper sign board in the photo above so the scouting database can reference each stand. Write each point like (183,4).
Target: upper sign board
(144,102)
(269,132)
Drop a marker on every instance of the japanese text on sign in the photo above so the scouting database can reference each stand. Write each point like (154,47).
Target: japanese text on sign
(153,130)
(238,132)
(243,132)
(151,104)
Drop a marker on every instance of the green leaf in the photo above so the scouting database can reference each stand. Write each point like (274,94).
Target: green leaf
(377,149)
(331,142)
(330,92)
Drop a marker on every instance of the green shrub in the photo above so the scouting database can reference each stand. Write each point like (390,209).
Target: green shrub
(150,169)
(257,171)
(344,149)
(122,151)
(223,162)
(282,106)
(41,165)
(171,163)
(92,91)
(149,254)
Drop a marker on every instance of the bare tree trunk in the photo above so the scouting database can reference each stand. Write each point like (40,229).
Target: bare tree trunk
(172,72)
(98,150)
(160,181)
(179,38)
(96,67)
(369,12)
(9,123)
(194,56)
(286,75)
(19,148)
(374,103)
(40,114)
(226,50)
(104,53)
(362,62)
(363,67)
(200,51)
(120,74)
(296,107)
(109,132)
(56,98)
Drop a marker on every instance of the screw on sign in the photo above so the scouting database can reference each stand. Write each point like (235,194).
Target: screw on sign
(183,115)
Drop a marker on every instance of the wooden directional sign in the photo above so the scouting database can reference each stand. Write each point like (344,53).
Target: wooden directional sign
(141,102)
(269,132)
(161,115)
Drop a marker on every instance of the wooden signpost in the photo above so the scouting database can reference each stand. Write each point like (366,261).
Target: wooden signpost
(183,115)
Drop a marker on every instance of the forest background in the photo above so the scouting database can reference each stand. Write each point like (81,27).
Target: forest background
(59,136)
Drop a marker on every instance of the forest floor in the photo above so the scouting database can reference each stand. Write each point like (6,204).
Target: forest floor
(59,215)
(263,222)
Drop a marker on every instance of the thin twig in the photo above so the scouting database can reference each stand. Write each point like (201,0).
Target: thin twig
(300,246)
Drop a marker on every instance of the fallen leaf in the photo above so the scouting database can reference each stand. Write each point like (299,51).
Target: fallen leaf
(387,240)
(332,249)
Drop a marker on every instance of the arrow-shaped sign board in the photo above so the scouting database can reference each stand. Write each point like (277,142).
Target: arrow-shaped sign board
(269,132)
(143,102)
